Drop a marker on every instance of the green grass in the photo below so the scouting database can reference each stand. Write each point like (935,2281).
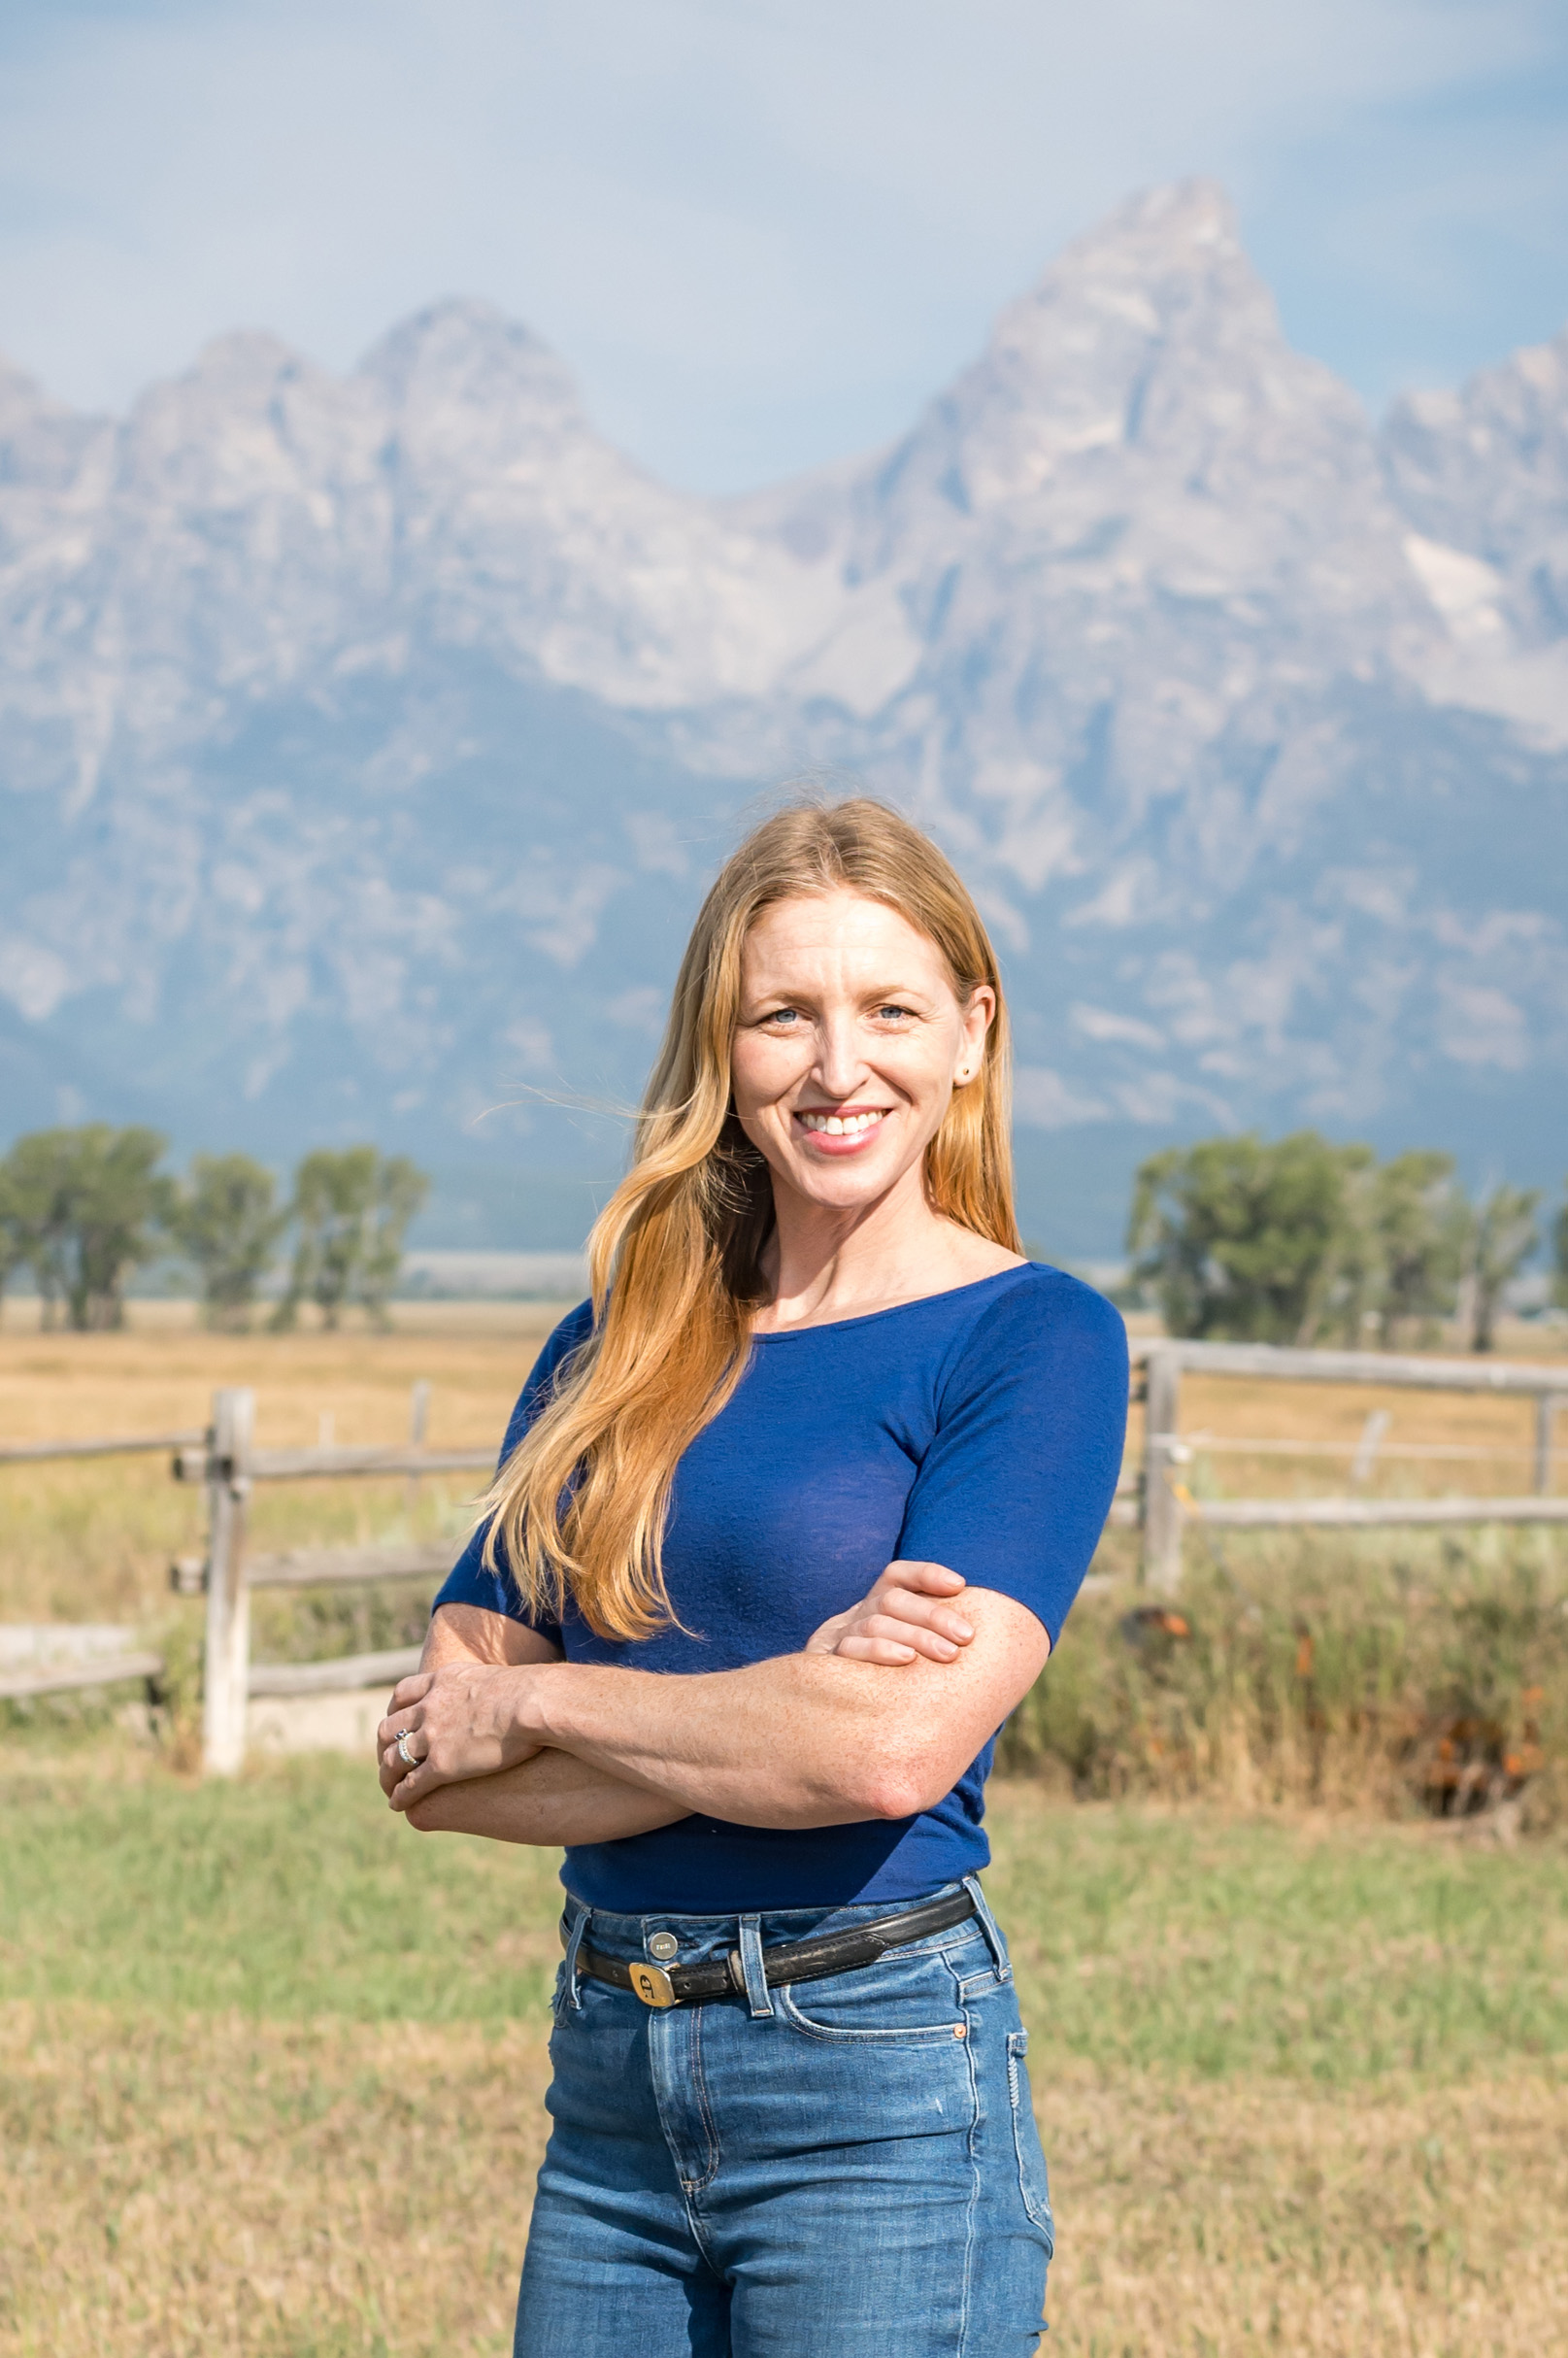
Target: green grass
(1144,1940)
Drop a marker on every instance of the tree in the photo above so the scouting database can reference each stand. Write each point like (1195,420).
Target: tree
(1502,1237)
(12,1233)
(85,1207)
(226,1223)
(1241,1238)
(352,1208)
(1421,1222)
(1559,1255)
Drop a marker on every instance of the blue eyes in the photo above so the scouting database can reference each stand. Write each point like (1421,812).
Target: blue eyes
(791,1016)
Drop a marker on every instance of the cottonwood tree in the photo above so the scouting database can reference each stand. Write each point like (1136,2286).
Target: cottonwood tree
(1502,1237)
(85,1207)
(1421,1221)
(1241,1238)
(352,1208)
(227,1223)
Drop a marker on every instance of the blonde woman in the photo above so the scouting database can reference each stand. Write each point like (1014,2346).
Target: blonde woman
(785,1524)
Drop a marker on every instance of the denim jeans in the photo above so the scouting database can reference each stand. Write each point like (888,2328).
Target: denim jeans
(837,2169)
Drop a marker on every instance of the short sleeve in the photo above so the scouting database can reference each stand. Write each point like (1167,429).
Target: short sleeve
(470,1582)
(1014,1491)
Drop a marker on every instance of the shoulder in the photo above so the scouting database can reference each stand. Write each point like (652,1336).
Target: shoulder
(573,1329)
(1044,1321)
(562,1345)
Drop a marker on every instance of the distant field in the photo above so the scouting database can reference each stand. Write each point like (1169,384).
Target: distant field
(271,2069)
(93,1541)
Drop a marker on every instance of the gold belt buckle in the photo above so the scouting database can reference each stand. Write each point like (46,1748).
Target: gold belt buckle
(652,1984)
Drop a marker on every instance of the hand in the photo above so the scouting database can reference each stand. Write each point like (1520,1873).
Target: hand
(460,1721)
(908,1614)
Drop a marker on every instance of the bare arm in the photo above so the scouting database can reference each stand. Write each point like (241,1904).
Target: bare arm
(806,1739)
(551,1799)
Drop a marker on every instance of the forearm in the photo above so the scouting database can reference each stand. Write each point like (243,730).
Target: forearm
(550,1801)
(799,1741)
(805,1740)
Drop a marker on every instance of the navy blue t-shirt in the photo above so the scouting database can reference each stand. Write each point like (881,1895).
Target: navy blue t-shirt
(981,1428)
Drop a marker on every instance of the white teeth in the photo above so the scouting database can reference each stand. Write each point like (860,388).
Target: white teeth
(841,1126)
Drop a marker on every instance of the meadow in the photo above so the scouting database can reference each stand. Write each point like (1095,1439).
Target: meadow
(272,2066)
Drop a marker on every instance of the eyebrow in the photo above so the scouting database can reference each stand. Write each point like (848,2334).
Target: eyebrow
(878,996)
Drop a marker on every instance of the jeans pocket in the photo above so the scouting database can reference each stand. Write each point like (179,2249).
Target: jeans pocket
(909,2001)
(1034,2184)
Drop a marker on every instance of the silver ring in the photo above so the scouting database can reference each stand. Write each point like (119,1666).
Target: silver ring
(409,1760)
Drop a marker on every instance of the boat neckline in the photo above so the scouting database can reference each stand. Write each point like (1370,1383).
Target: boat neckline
(896,1309)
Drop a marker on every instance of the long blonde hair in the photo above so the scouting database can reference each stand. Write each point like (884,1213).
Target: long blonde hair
(675,1256)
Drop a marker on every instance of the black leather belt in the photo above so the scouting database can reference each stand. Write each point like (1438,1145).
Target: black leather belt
(791,1961)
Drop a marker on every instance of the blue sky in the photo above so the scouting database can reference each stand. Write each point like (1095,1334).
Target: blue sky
(762,232)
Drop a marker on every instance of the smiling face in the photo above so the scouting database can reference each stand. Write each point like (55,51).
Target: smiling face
(850,1043)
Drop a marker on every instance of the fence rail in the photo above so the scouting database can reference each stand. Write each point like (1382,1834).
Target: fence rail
(1154,1499)
(1166,1505)
(122,1445)
(62,1678)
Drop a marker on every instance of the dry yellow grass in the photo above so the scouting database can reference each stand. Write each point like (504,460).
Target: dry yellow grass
(222,2186)
(86,1540)
(177,2182)
(217,2185)
(1218,2218)
(92,1541)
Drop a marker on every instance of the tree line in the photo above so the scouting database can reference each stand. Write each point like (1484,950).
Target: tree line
(83,1209)
(1305,1241)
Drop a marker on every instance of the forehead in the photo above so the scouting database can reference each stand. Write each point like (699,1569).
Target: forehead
(843,934)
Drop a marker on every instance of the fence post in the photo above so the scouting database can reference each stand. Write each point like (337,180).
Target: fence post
(419,1428)
(1162,1510)
(227,1659)
(1546,1408)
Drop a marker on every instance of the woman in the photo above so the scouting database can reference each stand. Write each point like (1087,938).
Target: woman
(787,1522)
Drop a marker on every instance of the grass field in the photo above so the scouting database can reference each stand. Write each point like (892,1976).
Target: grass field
(271,2067)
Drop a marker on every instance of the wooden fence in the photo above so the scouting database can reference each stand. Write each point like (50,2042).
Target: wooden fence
(1155,1498)
(1164,1506)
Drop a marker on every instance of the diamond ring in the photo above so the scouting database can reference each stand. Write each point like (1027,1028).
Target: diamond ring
(410,1760)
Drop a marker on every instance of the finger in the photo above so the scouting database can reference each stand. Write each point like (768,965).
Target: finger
(902,1605)
(411,1690)
(415,1784)
(856,1647)
(934,1579)
(928,1642)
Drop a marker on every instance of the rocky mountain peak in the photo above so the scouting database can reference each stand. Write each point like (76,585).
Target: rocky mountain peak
(340,716)
(1484,471)
(461,372)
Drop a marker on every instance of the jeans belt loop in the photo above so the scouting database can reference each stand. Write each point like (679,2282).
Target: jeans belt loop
(574,1944)
(992,1929)
(753,1968)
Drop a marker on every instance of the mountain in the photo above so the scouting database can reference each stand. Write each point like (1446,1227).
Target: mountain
(366,741)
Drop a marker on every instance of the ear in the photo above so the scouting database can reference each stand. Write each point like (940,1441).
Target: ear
(976,1020)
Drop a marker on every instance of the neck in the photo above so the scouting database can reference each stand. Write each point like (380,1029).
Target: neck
(822,1263)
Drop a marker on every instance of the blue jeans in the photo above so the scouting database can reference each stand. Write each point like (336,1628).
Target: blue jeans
(837,2168)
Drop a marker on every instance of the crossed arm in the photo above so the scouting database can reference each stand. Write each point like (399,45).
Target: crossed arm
(877,1718)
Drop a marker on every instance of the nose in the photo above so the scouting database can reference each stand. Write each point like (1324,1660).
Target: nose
(840,1068)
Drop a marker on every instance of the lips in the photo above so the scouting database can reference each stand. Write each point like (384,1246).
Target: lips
(829,1134)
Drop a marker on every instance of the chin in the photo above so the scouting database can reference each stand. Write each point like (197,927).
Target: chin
(844,1188)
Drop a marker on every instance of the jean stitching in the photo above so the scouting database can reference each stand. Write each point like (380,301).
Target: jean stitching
(976,2125)
(914,2035)
(710,2127)
(1017,2045)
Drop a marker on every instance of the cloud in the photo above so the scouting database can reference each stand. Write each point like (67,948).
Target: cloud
(762,235)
